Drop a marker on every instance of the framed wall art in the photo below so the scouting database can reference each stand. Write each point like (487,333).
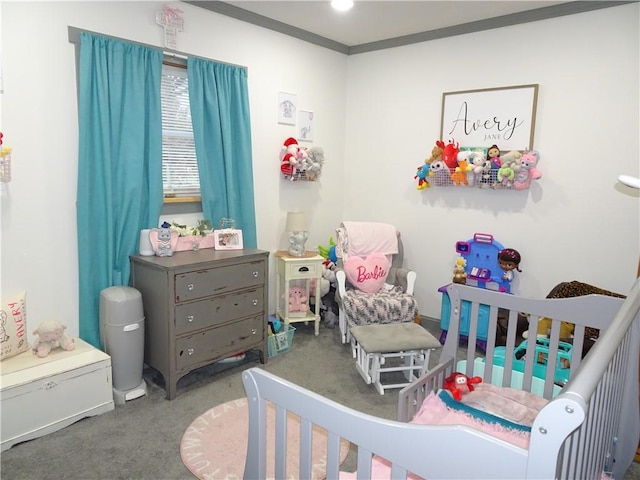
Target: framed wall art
(504,116)
(287,108)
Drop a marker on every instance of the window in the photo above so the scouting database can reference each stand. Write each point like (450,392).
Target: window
(179,165)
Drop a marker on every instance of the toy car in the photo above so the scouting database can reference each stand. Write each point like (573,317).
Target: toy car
(563,359)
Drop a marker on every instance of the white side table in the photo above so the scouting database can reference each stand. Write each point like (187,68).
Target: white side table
(298,272)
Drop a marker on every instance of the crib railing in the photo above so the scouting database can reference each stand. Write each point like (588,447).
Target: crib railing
(602,400)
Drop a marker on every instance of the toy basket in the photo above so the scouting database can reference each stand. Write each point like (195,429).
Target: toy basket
(280,342)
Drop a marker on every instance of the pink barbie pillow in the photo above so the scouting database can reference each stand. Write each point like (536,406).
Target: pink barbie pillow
(367,274)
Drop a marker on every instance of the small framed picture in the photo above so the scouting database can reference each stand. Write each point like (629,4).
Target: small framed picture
(227,239)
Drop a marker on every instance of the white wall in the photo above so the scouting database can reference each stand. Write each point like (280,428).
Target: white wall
(576,223)
(39,119)
(377,117)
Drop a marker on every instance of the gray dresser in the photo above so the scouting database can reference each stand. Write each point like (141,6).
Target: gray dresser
(200,307)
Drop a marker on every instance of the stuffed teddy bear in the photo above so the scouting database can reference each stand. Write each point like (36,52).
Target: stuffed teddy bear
(298,300)
(51,335)
(313,163)
(436,153)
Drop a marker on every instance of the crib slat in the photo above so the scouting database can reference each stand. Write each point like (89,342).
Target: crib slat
(306,430)
(280,442)
(364,463)
(333,455)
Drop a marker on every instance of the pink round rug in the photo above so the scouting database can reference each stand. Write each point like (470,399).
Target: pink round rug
(214,446)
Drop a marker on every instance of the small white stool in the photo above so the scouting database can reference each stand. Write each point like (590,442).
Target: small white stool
(372,345)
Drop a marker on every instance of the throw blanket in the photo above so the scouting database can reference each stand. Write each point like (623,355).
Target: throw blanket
(504,406)
(434,412)
(363,238)
(391,306)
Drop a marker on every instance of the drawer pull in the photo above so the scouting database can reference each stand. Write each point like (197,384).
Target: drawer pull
(255,274)
(190,351)
(254,331)
(254,302)
(50,384)
(303,269)
(190,287)
(190,318)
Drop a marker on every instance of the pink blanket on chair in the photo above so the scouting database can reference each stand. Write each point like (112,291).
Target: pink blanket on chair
(363,238)
(435,412)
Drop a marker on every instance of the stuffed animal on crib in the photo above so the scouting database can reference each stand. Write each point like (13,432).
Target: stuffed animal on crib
(298,300)
(544,329)
(459,275)
(528,170)
(51,335)
(421,176)
(458,384)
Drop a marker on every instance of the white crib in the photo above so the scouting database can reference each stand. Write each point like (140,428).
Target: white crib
(588,430)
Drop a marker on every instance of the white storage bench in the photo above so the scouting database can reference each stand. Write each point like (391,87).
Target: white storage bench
(41,395)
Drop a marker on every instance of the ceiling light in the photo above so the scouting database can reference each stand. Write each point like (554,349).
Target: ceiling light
(342,5)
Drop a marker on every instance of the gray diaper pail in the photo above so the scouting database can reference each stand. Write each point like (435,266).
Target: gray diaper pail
(122,335)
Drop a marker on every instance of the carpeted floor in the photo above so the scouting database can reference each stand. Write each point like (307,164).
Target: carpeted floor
(141,439)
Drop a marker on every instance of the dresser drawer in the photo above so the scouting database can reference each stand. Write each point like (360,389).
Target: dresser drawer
(220,309)
(213,281)
(219,342)
(298,269)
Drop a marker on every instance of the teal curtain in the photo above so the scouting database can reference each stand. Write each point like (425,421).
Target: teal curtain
(219,100)
(119,164)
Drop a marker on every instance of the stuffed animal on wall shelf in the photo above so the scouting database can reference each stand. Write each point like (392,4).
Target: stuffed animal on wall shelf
(51,335)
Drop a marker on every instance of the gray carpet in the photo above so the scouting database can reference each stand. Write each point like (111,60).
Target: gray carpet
(141,439)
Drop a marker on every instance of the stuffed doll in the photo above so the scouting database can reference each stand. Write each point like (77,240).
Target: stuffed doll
(298,300)
(494,157)
(459,275)
(51,335)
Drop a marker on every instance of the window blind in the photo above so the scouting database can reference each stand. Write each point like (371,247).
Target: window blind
(179,165)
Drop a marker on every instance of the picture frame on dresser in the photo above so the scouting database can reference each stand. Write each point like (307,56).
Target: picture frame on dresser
(228,239)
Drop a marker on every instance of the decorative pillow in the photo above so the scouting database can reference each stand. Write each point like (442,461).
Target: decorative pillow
(13,326)
(367,274)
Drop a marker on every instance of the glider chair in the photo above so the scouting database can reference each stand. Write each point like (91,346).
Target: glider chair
(373,286)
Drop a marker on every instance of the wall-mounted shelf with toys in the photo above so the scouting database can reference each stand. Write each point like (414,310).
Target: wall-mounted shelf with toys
(300,163)
(481,167)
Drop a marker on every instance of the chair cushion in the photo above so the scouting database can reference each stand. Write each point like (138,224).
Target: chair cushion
(391,306)
(367,274)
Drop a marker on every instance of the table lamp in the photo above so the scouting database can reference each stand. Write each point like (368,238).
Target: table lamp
(297,231)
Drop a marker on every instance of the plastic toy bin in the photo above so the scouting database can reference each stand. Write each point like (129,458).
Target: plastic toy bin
(445,314)
(280,342)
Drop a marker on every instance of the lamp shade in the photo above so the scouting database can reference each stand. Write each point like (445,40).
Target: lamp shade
(295,222)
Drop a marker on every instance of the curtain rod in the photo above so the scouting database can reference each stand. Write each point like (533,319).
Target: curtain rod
(74,37)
